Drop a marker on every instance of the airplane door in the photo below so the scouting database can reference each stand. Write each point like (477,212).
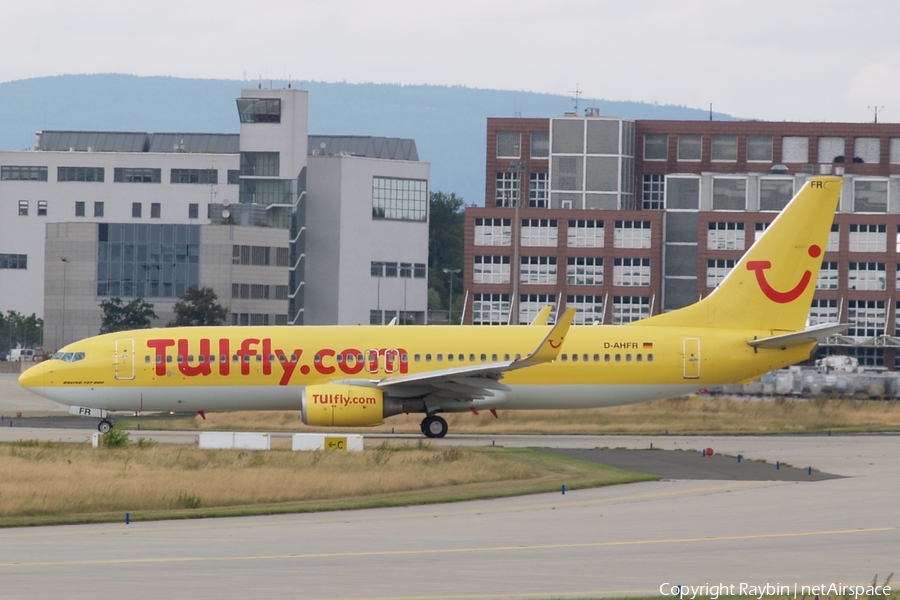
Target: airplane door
(372,360)
(691,358)
(124,359)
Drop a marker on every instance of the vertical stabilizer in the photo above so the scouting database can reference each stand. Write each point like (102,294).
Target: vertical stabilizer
(772,286)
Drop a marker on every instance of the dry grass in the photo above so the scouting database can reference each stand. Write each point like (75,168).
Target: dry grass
(694,415)
(74,482)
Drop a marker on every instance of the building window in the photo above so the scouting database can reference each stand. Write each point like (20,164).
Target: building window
(507,189)
(93,174)
(257,319)
(774,194)
(725,236)
(259,110)
(509,144)
(831,149)
(419,271)
(828,276)
(537,270)
(823,311)
(491,269)
(717,270)
(538,190)
(490,309)
(376,269)
(866,318)
(15,173)
(584,270)
(724,148)
(870,195)
(402,199)
(266,191)
(155,210)
(98,209)
(79,208)
(656,146)
(540,144)
(260,164)
(585,233)
(867,150)
(136,208)
(795,149)
(690,147)
(282,257)
(406,270)
(281,292)
(13,261)
(589,308)
(134,175)
(654,192)
(144,260)
(531,304)
(234,176)
(626,309)
(390,269)
(759,148)
(631,271)
(259,292)
(194,176)
(682,193)
(759,229)
(631,234)
(539,232)
(729,193)
(493,232)
(23,208)
(259,256)
(866,276)
(868,237)
(193,211)
(834,239)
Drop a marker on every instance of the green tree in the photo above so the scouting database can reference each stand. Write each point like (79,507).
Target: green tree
(445,247)
(16,329)
(198,307)
(118,316)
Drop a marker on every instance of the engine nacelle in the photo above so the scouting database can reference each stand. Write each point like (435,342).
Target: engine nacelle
(342,405)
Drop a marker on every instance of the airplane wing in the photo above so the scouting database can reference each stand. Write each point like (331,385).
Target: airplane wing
(809,335)
(476,381)
(543,316)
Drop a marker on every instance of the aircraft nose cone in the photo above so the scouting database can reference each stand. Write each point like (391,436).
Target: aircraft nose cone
(34,378)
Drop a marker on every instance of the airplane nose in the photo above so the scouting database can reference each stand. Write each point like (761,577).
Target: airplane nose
(33,379)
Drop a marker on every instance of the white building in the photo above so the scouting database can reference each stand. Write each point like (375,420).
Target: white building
(360,201)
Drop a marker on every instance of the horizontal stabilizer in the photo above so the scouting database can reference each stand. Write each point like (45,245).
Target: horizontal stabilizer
(798,338)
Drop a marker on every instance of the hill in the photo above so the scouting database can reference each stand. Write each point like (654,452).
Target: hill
(448,123)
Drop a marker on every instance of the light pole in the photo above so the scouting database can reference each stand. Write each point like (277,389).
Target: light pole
(65,262)
(517,168)
(450,306)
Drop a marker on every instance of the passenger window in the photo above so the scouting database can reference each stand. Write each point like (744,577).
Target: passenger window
(574,358)
(235,358)
(450,357)
(494,357)
(169,358)
(147,358)
(462,357)
(585,358)
(471,358)
(271,358)
(294,358)
(440,357)
(223,358)
(606,357)
(596,358)
(627,358)
(518,356)
(506,357)
(246,358)
(618,358)
(340,358)
(282,358)
(180,358)
(190,358)
(649,358)
(565,358)
(360,358)
(427,358)
(484,358)
(640,357)
(417,357)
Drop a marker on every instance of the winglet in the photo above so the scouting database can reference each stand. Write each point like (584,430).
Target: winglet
(549,348)
(543,316)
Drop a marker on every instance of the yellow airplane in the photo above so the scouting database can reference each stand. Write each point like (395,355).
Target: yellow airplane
(357,376)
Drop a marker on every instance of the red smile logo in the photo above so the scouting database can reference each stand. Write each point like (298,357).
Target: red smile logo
(759,266)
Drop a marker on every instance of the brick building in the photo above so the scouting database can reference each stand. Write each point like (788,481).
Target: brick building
(626,219)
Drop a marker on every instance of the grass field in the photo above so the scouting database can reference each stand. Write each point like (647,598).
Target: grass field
(681,416)
(56,483)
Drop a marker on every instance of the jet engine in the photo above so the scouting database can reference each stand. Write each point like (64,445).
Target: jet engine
(344,405)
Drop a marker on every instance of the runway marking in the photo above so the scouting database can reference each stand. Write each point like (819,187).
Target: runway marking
(90,529)
(379,553)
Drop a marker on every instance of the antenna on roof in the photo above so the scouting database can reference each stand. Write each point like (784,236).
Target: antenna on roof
(290,78)
(876,110)
(577,97)
(710,111)
(260,82)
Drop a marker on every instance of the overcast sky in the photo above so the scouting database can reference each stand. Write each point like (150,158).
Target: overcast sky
(777,60)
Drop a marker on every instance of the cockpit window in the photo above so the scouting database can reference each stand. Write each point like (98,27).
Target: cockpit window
(69,357)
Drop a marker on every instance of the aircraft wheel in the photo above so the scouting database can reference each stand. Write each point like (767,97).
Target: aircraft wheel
(434,426)
(104,426)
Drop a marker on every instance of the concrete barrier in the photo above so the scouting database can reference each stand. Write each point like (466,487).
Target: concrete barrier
(226,440)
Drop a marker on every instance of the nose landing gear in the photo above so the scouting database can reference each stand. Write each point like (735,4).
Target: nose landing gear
(104,426)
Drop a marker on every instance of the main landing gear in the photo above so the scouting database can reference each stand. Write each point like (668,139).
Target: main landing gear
(104,425)
(434,426)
